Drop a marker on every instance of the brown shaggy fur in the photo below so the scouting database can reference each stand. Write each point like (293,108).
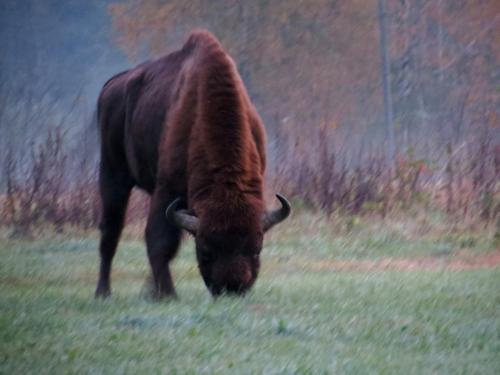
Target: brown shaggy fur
(184,126)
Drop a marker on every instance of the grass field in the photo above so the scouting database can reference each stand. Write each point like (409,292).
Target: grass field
(343,298)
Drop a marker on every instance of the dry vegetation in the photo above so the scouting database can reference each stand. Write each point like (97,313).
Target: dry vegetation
(327,150)
(463,186)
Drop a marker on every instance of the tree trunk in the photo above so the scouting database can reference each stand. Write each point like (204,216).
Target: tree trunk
(386,78)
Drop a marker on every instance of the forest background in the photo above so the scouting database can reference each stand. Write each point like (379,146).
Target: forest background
(370,107)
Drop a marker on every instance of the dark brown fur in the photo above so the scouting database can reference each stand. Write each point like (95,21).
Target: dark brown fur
(183,126)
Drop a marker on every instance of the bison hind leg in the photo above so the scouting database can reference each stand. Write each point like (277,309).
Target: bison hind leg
(114,196)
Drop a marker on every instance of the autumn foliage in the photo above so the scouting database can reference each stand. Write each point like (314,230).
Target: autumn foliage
(313,70)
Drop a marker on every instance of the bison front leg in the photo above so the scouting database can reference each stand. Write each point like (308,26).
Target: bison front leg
(162,240)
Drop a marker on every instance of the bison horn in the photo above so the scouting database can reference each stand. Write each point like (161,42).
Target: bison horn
(181,218)
(272,218)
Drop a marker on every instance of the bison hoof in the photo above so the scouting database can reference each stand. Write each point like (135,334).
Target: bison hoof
(102,293)
(164,296)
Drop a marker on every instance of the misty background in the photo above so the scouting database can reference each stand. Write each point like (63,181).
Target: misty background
(315,71)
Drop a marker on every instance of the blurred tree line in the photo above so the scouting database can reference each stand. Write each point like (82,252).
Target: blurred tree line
(314,71)
(317,63)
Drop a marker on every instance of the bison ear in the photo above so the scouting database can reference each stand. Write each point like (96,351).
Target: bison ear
(272,218)
(181,218)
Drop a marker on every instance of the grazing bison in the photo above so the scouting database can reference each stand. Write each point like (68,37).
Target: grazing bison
(183,129)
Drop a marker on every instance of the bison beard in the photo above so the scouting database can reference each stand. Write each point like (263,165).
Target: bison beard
(183,129)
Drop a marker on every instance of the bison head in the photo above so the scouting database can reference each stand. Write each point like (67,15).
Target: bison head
(229,260)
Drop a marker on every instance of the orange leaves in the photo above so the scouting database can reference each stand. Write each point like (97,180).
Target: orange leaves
(493,119)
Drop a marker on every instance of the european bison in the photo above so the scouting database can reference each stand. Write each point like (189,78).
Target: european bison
(183,129)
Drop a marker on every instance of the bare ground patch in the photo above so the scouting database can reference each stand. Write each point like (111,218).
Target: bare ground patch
(459,262)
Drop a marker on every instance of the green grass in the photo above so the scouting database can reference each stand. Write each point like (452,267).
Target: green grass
(295,321)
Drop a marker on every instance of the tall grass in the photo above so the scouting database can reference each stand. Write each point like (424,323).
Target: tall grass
(53,188)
